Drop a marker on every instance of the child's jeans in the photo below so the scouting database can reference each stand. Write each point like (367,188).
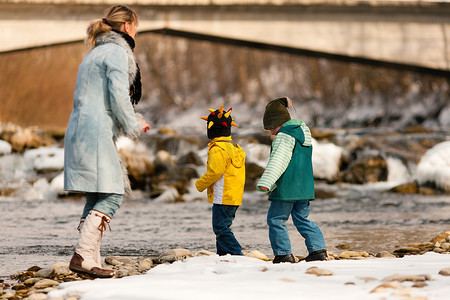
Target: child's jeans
(105,203)
(277,216)
(222,217)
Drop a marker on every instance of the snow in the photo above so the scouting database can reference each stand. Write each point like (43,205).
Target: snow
(237,277)
(45,158)
(434,166)
(5,147)
(326,159)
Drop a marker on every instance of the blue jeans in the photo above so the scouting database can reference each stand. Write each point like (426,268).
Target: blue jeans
(222,217)
(277,216)
(105,203)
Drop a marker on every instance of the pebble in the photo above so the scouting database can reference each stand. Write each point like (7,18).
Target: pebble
(445,272)
(319,271)
(36,282)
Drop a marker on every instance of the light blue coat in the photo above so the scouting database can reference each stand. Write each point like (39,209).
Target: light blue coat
(102,111)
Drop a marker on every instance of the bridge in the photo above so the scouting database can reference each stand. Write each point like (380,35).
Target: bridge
(408,32)
(411,32)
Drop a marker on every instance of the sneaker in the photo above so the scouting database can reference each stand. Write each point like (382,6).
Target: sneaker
(316,255)
(284,258)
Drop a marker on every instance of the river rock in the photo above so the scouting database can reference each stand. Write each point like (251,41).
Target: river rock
(353,254)
(407,250)
(367,170)
(145,265)
(385,254)
(36,296)
(62,269)
(191,158)
(387,285)
(31,281)
(257,254)
(406,188)
(45,273)
(445,272)
(139,167)
(26,138)
(441,237)
(119,260)
(253,172)
(175,254)
(402,278)
(319,271)
(45,283)
(204,252)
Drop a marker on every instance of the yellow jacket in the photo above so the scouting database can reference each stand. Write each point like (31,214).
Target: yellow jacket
(225,172)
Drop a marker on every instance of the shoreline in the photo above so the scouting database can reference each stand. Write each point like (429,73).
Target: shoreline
(37,280)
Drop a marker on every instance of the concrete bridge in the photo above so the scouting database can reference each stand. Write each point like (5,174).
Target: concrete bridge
(412,32)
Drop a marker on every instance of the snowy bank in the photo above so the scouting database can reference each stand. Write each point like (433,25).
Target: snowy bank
(235,277)
(434,166)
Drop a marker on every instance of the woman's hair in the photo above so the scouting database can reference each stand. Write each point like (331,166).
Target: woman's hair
(115,17)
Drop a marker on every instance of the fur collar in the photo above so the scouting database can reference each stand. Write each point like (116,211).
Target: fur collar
(116,38)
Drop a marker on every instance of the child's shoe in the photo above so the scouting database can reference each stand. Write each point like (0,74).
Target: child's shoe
(284,258)
(316,255)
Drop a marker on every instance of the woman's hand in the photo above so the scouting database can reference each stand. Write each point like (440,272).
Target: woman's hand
(145,126)
(263,188)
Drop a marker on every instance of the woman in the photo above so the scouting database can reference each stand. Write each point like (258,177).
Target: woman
(108,85)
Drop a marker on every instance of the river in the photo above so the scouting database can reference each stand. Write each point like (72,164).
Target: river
(43,232)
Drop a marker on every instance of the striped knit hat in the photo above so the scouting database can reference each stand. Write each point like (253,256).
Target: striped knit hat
(276,113)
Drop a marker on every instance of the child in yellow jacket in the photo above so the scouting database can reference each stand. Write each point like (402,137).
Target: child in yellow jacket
(224,179)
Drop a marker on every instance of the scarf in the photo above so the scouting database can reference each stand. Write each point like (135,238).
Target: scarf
(136,85)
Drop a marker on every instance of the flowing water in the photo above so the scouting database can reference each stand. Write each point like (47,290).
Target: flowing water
(42,232)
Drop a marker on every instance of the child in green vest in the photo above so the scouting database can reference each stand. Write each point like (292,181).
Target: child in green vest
(289,180)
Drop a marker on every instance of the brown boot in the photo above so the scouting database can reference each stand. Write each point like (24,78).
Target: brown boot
(85,259)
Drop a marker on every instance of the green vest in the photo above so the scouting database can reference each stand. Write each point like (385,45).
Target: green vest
(297,182)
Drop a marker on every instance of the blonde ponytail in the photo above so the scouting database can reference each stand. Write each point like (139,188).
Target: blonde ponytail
(115,17)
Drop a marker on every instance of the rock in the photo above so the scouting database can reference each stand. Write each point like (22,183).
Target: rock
(388,285)
(441,237)
(175,254)
(445,246)
(366,170)
(438,250)
(385,254)
(343,246)
(111,260)
(319,272)
(45,273)
(406,188)
(353,254)
(204,253)
(25,138)
(402,278)
(145,265)
(139,167)
(167,130)
(45,283)
(407,250)
(445,272)
(120,260)
(8,295)
(191,158)
(31,281)
(36,296)
(257,254)
(62,269)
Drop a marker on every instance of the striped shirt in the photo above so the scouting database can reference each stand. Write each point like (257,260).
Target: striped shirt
(282,148)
